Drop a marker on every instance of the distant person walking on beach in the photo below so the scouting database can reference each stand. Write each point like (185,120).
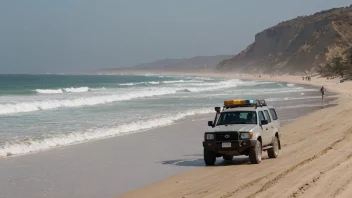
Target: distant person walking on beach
(322,91)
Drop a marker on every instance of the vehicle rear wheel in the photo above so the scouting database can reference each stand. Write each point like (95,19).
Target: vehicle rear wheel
(274,152)
(255,153)
(209,157)
(228,157)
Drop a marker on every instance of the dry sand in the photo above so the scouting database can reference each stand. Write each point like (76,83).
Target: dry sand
(316,159)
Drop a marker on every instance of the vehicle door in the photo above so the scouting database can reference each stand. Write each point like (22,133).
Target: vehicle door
(275,119)
(269,127)
(265,128)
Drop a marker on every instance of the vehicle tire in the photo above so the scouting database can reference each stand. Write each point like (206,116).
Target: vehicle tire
(255,153)
(274,152)
(209,157)
(228,157)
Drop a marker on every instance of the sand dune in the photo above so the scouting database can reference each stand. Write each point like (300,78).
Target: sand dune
(315,160)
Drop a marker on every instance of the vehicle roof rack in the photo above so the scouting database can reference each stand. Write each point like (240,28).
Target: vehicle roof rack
(228,104)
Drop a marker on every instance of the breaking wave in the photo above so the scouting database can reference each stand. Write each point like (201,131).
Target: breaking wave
(154,82)
(130,84)
(181,81)
(161,82)
(31,145)
(218,85)
(292,98)
(49,91)
(22,107)
(76,90)
(54,103)
(63,90)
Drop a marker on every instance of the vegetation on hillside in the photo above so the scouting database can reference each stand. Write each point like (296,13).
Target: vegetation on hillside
(338,67)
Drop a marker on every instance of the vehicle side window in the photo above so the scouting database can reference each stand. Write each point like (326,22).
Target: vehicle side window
(273,113)
(267,116)
(261,116)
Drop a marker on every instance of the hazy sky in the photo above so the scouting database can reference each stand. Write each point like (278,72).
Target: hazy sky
(39,36)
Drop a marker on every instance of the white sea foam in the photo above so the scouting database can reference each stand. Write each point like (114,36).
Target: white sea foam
(97,89)
(40,104)
(301,106)
(274,91)
(182,81)
(174,81)
(154,82)
(31,145)
(49,91)
(292,98)
(63,90)
(227,83)
(291,85)
(159,82)
(215,86)
(76,90)
(130,84)
(10,108)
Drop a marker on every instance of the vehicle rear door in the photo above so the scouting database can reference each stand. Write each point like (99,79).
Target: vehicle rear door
(269,128)
(265,128)
(275,119)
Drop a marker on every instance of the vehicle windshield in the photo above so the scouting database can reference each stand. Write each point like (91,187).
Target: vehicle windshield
(237,117)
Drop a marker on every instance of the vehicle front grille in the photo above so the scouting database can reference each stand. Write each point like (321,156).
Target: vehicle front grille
(226,136)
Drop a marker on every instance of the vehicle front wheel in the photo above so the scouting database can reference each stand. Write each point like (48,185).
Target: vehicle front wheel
(255,153)
(228,157)
(274,152)
(209,157)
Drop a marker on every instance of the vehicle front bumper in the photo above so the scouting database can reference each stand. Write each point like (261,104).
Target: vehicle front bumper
(238,147)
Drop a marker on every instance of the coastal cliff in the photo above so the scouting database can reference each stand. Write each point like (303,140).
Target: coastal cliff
(298,45)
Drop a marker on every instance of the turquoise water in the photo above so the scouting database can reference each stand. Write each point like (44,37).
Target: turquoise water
(38,112)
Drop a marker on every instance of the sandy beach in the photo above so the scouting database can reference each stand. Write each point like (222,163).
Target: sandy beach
(315,160)
(114,166)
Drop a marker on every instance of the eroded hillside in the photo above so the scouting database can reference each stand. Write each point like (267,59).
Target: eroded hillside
(297,45)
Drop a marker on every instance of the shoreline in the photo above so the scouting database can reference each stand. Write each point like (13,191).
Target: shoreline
(309,151)
(39,145)
(110,166)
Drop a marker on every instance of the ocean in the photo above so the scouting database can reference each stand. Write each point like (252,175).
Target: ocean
(38,112)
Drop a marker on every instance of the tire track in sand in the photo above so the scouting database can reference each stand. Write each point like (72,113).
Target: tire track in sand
(302,189)
(341,189)
(275,180)
(245,186)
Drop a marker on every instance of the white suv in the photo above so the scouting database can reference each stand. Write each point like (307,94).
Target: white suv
(243,127)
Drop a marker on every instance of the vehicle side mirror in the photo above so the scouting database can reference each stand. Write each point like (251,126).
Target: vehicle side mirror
(264,122)
(210,123)
(217,109)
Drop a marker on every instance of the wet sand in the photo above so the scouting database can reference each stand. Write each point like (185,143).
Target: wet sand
(110,167)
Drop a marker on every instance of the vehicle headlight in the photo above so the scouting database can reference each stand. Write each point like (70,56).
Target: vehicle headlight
(209,136)
(245,135)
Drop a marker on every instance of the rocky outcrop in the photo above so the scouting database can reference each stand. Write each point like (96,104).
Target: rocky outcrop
(297,45)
